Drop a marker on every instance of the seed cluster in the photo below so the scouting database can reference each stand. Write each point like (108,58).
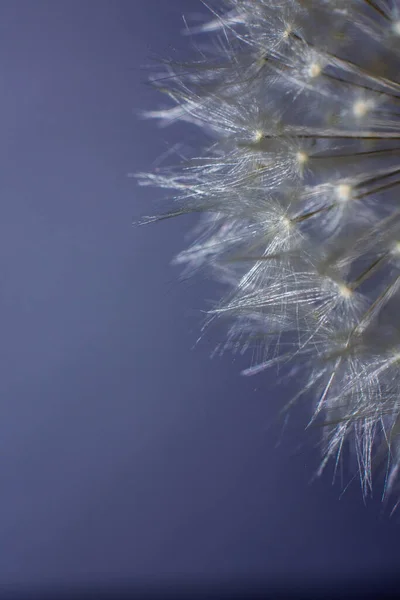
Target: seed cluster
(299,190)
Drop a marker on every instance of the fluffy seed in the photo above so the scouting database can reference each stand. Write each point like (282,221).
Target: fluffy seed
(298,189)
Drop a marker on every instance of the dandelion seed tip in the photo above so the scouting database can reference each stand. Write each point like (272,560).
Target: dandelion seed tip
(343,192)
(287,32)
(396,248)
(361,108)
(302,157)
(287,222)
(345,291)
(396,356)
(314,70)
(258,135)
(396,27)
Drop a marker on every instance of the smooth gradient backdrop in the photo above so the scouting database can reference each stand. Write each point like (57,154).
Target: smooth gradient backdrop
(127,456)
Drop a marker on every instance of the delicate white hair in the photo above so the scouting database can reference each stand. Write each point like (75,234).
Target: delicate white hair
(299,191)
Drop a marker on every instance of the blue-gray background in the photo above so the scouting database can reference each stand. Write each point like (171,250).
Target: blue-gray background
(125,455)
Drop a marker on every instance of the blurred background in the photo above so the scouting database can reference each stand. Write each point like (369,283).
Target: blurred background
(128,457)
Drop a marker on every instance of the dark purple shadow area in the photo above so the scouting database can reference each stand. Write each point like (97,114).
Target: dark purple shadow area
(125,456)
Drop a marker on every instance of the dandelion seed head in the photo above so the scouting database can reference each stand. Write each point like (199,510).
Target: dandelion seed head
(297,188)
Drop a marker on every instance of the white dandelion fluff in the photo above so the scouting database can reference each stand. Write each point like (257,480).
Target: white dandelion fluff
(299,194)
